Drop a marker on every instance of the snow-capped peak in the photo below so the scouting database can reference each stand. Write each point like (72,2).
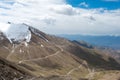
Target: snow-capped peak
(16,32)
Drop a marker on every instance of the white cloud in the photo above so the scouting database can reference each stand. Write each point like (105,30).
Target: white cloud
(58,17)
(64,9)
(84,4)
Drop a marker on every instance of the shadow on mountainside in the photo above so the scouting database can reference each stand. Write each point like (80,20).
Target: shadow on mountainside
(94,59)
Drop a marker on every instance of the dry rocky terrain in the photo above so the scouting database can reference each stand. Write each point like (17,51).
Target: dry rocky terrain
(48,57)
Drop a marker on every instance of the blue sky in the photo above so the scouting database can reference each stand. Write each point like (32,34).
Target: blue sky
(107,4)
(7,1)
(92,17)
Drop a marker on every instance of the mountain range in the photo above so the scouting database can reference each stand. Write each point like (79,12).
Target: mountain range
(27,53)
(100,40)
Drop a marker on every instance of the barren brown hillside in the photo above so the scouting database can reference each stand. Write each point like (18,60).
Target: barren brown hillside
(53,57)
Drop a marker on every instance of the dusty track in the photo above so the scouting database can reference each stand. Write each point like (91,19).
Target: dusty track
(54,54)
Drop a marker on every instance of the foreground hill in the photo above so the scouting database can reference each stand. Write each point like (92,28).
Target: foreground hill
(53,58)
(11,71)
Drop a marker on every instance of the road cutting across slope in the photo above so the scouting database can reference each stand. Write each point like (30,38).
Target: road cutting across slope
(54,54)
(12,51)
(75,69)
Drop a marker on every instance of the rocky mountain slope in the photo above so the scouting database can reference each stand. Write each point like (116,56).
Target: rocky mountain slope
(102,50)
(52,58)
(11,71)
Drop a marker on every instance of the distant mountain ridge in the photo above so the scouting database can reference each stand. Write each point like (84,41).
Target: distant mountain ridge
(103,41)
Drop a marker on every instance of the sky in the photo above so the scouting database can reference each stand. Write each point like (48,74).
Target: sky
(89,17)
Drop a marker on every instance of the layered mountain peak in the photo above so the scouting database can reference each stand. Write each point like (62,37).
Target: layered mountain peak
(16,32)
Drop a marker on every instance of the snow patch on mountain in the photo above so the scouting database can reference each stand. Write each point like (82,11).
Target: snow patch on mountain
(16,32)
(4,27)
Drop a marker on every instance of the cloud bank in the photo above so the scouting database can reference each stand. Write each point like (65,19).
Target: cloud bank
(58,17)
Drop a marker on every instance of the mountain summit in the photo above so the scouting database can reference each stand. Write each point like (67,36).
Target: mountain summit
(48,57)
(16,32)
